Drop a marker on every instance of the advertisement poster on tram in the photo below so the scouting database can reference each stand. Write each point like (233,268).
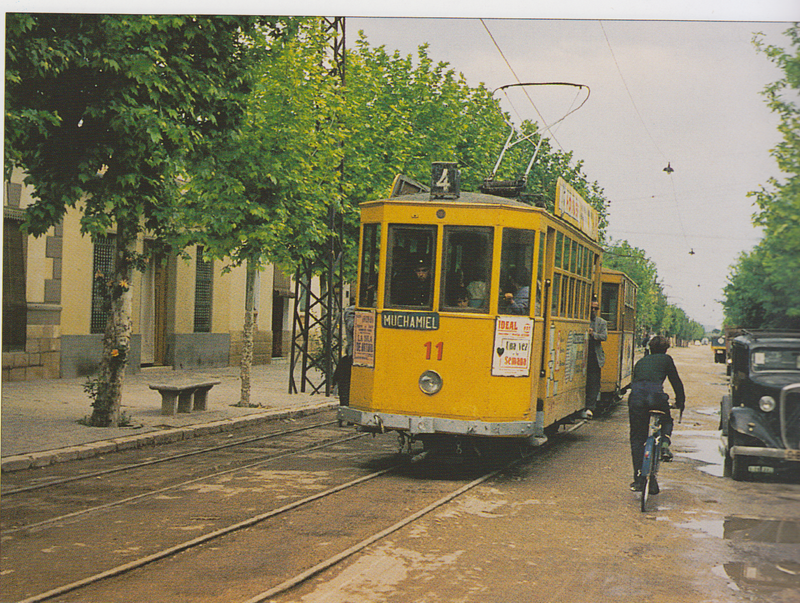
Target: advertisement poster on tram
(364,339)
(512,346)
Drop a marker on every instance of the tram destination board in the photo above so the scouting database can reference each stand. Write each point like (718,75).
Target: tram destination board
(414,321)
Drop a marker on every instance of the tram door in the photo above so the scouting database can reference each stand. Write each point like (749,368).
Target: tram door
(545,274)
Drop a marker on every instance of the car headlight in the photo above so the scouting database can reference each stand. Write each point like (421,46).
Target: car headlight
(430,382)
(767,403)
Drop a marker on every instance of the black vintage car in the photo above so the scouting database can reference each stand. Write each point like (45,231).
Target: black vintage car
(760,418)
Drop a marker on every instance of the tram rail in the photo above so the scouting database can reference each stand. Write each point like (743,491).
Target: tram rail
(249,522)
(73,478)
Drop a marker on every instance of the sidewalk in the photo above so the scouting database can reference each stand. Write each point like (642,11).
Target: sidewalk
(40,418)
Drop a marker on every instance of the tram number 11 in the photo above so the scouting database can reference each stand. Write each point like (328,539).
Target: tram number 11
(429,349)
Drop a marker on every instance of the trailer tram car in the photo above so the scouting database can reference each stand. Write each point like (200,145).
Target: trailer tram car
(618,308)
(472,315)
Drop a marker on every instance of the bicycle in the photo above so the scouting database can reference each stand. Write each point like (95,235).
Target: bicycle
(653,449)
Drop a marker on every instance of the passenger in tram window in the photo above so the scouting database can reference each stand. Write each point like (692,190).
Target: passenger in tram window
(459,298)
(518,301)
(417,290)
(476,287)
(598,332)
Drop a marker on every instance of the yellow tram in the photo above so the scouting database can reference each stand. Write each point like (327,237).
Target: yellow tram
(472,314)
(618,308)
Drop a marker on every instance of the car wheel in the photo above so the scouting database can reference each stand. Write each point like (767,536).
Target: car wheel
(727,463)
(724,415)
(739,464)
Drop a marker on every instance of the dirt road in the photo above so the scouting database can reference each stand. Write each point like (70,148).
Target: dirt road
(565,527)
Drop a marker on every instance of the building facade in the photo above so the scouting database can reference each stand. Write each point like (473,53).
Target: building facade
(186,313)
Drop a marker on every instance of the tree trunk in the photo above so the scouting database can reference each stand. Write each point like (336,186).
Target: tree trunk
(117,337)
(247,337)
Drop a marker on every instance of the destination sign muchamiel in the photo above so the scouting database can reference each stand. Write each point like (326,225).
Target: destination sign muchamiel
(415,321)
(572,207)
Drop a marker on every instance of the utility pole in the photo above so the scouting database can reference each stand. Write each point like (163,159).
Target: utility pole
(320,312)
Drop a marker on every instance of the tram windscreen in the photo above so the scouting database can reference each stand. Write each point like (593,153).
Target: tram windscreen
(410,266)
(467,269)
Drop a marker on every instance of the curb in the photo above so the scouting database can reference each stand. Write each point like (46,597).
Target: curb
(35,460)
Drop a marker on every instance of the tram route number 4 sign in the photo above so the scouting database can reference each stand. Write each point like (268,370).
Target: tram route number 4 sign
(512,346)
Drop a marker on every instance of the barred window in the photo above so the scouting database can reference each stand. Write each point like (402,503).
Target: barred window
(15,309)
(202,294)
(103,264)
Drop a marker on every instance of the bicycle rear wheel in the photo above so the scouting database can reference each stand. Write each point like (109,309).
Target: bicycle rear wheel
(648,470)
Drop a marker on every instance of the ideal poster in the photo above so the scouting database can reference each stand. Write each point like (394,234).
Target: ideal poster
(512,346)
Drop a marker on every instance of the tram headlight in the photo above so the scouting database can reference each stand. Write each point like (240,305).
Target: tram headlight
(767,403)
(430,382)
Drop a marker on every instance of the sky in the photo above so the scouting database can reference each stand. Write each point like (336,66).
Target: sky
(678,86)
(677,93)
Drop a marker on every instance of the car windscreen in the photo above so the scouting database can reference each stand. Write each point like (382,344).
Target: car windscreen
(775,359)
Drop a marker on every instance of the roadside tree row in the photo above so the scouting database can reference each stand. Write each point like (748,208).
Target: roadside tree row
(763,289)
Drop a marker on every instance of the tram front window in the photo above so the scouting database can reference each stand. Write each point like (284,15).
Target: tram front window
(467,269)
(516,263)
(410,266)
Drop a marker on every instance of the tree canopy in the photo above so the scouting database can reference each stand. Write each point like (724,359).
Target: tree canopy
(653,312)
(102,113)
(763,288)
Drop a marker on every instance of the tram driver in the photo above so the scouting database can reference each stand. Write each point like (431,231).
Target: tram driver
(416,290)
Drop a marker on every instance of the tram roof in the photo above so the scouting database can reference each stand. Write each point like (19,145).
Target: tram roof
(465,197)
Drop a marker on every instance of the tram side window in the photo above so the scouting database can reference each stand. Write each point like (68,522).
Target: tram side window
(370,265)
(608,305)
(410,266)
(467,269)
(556,295)
(516,264)
(559,245)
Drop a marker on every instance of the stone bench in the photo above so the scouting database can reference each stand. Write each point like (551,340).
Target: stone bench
(183,396)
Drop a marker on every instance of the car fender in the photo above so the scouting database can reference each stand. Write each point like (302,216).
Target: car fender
(749,422)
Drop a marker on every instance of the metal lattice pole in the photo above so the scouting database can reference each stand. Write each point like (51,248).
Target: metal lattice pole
(321,312)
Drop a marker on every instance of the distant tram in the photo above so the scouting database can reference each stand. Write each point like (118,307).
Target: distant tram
(472,315)
(618,308)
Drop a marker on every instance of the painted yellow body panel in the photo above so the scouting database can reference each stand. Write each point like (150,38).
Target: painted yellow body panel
(463,347)
(469,390)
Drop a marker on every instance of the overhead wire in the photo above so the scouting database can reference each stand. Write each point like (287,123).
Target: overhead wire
(669,170)
(516,77)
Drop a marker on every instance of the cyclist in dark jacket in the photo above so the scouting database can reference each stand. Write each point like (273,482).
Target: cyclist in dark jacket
(647,392)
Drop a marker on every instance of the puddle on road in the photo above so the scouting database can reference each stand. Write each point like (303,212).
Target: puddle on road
(755,575)
(762,579)
(703,446)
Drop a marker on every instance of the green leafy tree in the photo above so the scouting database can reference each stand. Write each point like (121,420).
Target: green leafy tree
(262,192)
(763,289)
(101,112)
(621,255)
(404,114)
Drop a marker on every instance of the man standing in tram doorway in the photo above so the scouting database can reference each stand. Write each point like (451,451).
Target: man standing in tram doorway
(598,332)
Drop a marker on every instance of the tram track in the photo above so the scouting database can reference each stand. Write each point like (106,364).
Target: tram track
(250,522)
(175,457)
(139,497)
